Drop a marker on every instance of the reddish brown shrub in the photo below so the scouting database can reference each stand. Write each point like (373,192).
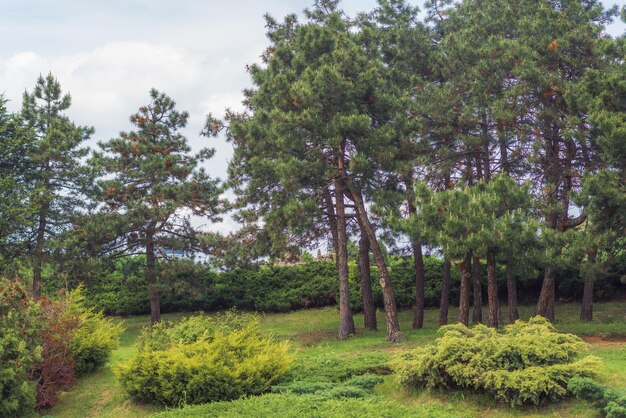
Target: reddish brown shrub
(56,370)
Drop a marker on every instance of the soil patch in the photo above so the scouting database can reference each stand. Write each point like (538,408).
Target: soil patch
(313,338)
(596,340)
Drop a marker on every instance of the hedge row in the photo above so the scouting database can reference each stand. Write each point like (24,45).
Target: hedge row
(185,286)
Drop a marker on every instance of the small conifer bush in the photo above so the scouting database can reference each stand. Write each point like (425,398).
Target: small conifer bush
(95,337)
(20,348)
(204,359)
(525,363)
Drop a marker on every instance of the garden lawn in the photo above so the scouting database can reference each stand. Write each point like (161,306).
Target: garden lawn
(321,357)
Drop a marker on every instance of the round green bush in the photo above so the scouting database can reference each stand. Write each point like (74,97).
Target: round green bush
(204,359)
(528,362)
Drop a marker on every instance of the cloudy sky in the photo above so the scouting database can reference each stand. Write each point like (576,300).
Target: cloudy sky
(108,54)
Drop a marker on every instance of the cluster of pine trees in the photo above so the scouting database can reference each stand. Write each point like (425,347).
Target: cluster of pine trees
(63,208)
(491,131)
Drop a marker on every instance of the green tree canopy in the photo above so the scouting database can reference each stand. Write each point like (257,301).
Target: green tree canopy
(151,186)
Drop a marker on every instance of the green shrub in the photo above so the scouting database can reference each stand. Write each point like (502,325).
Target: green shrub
(75,341)
(355,387)
(95,338)
(611,404)
(289,405)
(204,359)
(336,367)
(586,388)
(525,363)
(20,348)
(616,409)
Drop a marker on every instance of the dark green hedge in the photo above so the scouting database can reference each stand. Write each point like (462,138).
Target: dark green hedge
(185,286)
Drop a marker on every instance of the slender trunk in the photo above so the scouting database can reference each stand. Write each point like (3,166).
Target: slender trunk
(545,304)
(492,289)
(550,310)
(38,258)
(369,310)
(155,308)
(504,153)
(586,311)
(445,293)
(391,312)
(418,263)
(511,288)
(346,322)
(38,254)
(485,150)
(40,241)
(477,315)
(420,284)
(479,171)
(332,221)
(464,297)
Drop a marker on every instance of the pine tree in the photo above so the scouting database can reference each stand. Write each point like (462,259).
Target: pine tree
(312,119)
(151,187)
(483,221)
(16,212)
(58,180)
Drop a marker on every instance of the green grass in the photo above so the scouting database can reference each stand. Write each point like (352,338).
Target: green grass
(321,357)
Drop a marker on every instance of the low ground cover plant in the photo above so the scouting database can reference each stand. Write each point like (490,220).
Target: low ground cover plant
(525,363)
(612,404)
(204,359)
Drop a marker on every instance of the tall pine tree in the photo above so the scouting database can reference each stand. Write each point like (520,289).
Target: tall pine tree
(151,187)
(58,179)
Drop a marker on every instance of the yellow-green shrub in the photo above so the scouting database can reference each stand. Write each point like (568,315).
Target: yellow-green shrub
(95,337)
(204,359)
(528,362)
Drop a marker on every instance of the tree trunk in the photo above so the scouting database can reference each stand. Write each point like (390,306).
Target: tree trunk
(155,308)
(477,315)
(492,289)
(369,310)
(418,263)
(586,311)
(545,304)
(464,297)
(420,284)
(445,293)
(504,153)
(391,312)
(38,253)
(346,322)
(511,288)
(486,137)
(332,221)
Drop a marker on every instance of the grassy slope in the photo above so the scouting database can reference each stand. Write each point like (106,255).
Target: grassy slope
(321,356)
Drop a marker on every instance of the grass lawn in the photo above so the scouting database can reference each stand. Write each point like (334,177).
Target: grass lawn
(320,356)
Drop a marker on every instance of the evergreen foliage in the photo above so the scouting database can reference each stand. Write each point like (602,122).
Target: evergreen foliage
(525,363)
(610,403)
(151,188)
(57,181)
(204,359)
(20,348)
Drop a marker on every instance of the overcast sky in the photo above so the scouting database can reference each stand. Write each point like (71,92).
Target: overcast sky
(108,54)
